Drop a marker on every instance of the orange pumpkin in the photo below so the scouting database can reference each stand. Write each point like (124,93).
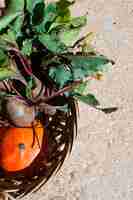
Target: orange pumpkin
(20,146)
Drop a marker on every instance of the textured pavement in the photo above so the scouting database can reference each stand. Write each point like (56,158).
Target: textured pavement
(101,164)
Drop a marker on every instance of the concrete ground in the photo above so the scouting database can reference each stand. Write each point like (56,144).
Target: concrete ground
(101,164)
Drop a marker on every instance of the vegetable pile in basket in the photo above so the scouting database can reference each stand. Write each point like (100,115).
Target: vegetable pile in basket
(43,64)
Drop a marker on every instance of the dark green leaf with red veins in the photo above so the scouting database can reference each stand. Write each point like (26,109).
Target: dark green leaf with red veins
(89,99)
(60,75)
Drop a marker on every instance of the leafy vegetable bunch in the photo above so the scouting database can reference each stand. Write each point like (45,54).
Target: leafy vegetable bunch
(43,62)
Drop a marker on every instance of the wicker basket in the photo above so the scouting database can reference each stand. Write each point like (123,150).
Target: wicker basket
(60,134)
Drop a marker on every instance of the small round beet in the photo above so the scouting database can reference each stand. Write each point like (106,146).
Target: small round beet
(19,113)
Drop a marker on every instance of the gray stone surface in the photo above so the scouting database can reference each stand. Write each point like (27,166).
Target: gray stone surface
(101,164)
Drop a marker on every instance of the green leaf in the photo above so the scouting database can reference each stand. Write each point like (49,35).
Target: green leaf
(9,38)
(79,21)
(27,47)
(108,110)
(90,64)
(63,10)
(75,22)
(38,12)
(13,10)
(63,4)
(6,20)
(3,59)
(55,25)
(50,13)
(68,30)
(80,89)
(17,24)
(29,5)
(89,99)
(14,6)
(52,44)
(49,16)
(69,36)
(6,73)
(78,73)
(60,75)
(64,17)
